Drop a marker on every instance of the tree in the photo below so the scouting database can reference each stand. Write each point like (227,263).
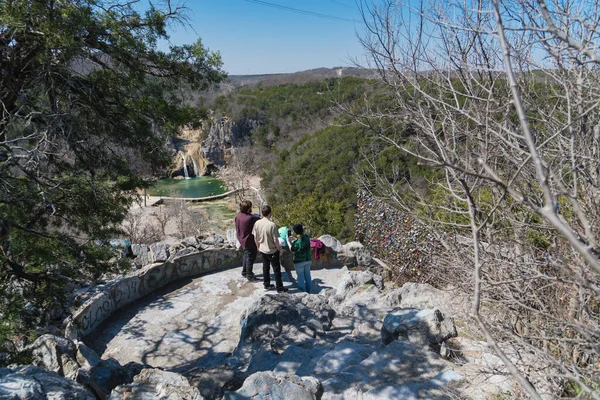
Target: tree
(86,96)
(500,99)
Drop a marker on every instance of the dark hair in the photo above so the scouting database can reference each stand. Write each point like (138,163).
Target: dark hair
(298,229)
(266,211)
(246,206)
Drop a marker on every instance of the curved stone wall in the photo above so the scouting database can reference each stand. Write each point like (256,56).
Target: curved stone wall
(110,297)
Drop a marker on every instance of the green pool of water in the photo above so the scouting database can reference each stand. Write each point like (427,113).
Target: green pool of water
(201,186)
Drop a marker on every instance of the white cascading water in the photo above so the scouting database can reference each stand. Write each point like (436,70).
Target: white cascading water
(185,171)
(194,163)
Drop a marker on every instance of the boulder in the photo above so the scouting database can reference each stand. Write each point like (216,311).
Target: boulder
(355,254)
(108,374)
(159,252)
(332,243)
(85,356)
(140,251)
(56,354)
(214,240)
(353,280)
(268,317)
(191,241)
(35,383)
(214,382)
(274,322)
(153,383)
(425,327)
(270,385)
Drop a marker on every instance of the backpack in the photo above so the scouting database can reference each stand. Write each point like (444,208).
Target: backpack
(318,248)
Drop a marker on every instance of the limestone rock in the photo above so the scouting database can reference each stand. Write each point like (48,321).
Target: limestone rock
(159,252)
(402,364)
(156,384)
(344,355)
(270,385)
(108,374)
(85,356)
(429,326)
(332,243)
(266,318)
(299,361)
(214,382)
(191,241)
(355,254)
(56,354)
(214,240)
(274,322)
(350,282)
(35,383)
(224,133)
(140,251)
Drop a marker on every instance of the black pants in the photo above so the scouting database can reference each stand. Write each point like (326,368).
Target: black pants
(271,260)
(248,259)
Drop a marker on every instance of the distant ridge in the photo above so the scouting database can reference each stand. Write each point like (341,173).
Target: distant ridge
(299,78)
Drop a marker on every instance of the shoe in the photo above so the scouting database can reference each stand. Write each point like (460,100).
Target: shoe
(252,279)
(267,288)
(282,290)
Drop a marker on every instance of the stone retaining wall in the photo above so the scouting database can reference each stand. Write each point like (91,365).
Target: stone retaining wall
(114,295)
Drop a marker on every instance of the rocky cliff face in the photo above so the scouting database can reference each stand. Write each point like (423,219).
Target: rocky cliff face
(224,134)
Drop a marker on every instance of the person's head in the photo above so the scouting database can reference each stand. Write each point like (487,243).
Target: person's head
(298,229)
(266,211)
(246,206)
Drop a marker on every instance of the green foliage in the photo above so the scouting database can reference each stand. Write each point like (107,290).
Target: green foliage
(312,183)
(88,104)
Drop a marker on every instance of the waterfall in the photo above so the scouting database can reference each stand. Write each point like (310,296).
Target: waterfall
(196,172)
(185,171)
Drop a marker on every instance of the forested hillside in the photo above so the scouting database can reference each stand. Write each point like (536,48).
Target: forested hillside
(308,147)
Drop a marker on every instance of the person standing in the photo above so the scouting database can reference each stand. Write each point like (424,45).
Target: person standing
(286,258)
(302,258)
(244,223)
(267,240)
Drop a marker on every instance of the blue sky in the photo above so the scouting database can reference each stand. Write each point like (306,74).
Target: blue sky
(254,38)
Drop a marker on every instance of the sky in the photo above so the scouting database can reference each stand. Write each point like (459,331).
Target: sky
(264,37)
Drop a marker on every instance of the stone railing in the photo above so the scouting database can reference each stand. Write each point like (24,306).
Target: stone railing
(162,264)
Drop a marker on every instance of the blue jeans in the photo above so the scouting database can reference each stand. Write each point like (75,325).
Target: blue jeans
(303,275)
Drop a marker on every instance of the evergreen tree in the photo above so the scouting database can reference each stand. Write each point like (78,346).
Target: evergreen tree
(87,101)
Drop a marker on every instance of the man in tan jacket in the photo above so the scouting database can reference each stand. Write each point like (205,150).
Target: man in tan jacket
(266,236)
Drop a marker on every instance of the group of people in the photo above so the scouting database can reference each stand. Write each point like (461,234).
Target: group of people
(277,247)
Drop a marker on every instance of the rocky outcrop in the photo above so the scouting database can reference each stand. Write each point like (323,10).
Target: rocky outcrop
(424,327)
(55,354)
(156,384)
(271,385)
(355,254)
(35,383)
(275,322)
(224,134)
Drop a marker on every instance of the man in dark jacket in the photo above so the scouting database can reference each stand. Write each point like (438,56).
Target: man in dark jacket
(244,223)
